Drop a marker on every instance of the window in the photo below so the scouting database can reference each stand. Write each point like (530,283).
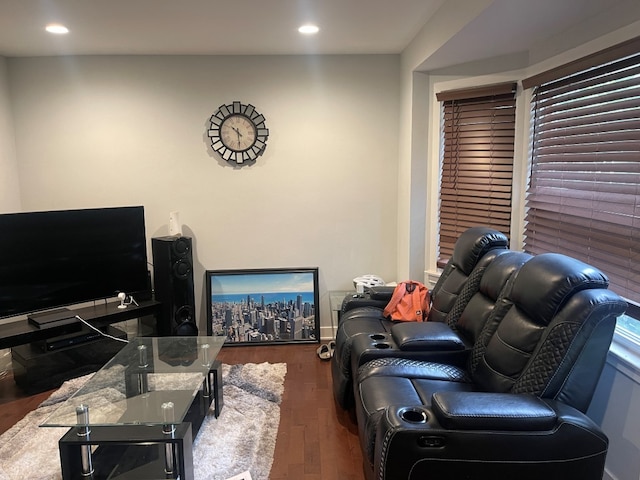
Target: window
(584,194)
(478,129)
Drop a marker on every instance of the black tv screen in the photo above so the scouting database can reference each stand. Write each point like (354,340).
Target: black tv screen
(59,258)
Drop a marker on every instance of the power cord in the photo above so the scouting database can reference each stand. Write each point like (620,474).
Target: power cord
(100,331)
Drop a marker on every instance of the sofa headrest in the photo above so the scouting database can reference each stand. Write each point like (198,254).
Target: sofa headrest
(473,243)
(548,280)
(497,273)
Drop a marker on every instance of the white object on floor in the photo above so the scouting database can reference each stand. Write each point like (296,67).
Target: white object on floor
(243,476)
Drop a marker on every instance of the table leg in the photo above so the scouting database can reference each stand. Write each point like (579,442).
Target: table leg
(215,376)
(82,415)
(169,429)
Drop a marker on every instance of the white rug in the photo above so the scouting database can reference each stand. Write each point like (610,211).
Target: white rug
(241,440)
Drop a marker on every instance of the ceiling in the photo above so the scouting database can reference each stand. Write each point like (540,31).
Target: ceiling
(210,27)
(269,27)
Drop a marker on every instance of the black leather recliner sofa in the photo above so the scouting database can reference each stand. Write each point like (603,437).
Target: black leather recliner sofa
(453,341)
(515,409)
(473,252)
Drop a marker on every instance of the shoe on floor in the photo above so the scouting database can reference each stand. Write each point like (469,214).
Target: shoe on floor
(323,351)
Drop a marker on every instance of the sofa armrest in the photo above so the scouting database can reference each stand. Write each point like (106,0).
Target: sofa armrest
(381,292)
(432,336)
(492,411)
(414,447)
(378,296)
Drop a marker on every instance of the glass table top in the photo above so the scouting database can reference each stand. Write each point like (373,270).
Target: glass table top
(151,381)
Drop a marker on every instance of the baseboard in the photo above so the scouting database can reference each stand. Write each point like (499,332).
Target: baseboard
(327,332)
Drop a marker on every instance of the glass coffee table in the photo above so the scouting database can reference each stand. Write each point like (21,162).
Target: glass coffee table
(137,416)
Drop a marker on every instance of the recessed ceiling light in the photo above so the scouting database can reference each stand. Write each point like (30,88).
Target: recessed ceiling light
(308,29)
(56,28)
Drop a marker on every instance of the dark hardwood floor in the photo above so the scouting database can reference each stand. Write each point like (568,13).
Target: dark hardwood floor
(316,439)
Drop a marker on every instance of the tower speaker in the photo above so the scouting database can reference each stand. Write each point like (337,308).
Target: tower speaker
(173,285)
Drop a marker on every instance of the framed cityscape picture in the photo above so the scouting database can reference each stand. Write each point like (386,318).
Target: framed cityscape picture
(263,306)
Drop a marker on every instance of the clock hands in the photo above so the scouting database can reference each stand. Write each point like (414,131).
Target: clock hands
(235,129)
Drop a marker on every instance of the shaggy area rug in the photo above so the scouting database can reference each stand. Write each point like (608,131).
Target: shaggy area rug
(242,439)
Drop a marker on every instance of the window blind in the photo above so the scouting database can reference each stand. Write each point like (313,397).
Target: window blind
(478,129)
(584,194)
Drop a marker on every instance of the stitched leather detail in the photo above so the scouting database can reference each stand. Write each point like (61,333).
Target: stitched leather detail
(370,431)
(546,361)
(469,290)
(411,369)
(387,362)
(384,451)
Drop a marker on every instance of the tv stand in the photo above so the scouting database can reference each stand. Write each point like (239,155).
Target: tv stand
(100,315)
(42,366)
(62,348)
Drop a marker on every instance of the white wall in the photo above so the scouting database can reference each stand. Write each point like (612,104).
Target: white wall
(416,236)
(9,184)
(107,131)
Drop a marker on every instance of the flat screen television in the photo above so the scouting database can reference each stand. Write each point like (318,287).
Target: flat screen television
(59,258)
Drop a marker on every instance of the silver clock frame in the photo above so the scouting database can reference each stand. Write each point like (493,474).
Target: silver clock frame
(252,152)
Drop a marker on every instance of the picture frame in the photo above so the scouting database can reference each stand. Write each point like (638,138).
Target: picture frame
(263,306)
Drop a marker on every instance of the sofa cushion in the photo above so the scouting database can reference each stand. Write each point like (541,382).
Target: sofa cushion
(473,244)
(545,282)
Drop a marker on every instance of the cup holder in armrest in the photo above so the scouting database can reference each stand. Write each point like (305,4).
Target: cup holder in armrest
(382,346)
(377,336)
(413,415)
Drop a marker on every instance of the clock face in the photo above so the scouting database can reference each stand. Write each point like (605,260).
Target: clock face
(238,133)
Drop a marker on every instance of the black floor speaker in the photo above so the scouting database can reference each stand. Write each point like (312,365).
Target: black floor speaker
(173,285)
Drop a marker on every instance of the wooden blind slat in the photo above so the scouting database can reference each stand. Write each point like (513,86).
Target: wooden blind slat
(478,132)
(584,193)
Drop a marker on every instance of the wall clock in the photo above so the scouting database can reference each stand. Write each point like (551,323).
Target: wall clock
(238,133)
